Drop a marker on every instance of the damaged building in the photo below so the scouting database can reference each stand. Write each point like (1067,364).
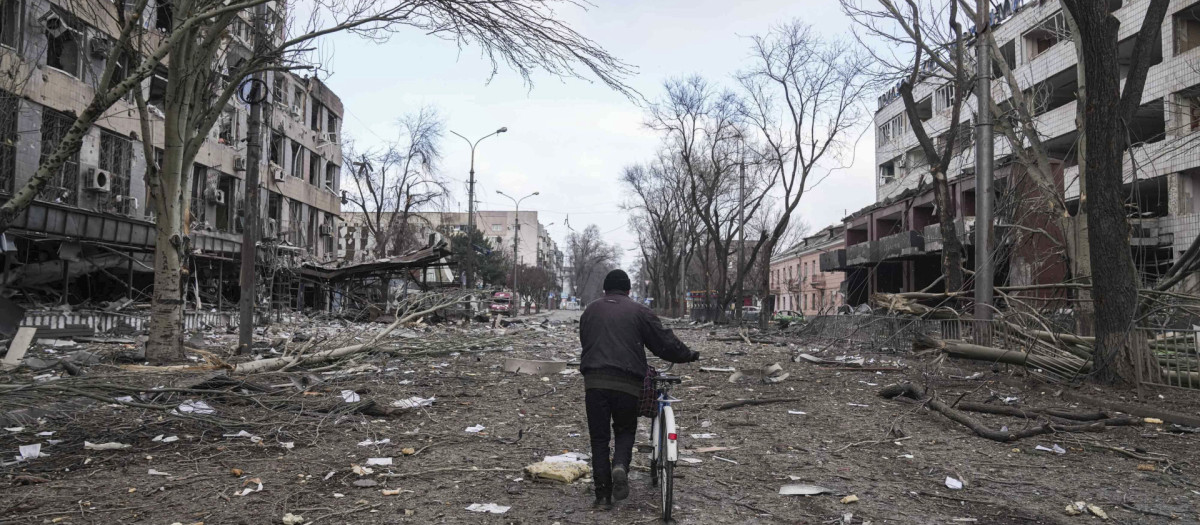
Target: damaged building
(895,244)
(89,236)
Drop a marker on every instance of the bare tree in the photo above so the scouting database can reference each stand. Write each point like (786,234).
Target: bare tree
(590,259)
(805,100)
(1109,111)
(390,186)
(666,228)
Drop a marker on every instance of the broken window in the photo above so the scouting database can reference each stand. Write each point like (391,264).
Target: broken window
(276,153)
(1046,35)
(158,87)
(892,129)
(312,231)
(331,175)
(64,46)
(314,169)
(925,109)
(1187,28)
(315,120)
(63,186)
(116,157)
(944,97)
(224,218)
(887,172)
(9,104)
(277,93)
(274,207)
(1189,103)
(164,15)
(331,125)
(10,23)
(1008,52)
(328,239)
(298,103)
(225,127)
(295,213)
(297,160)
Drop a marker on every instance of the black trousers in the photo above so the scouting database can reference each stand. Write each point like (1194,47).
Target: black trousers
(621,409)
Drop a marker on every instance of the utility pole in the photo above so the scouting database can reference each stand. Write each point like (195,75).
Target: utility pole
(516,231)
(741,293)
(984,159)
(468,280)
(258,93)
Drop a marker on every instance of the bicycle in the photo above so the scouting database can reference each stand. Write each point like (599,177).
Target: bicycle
(665,442)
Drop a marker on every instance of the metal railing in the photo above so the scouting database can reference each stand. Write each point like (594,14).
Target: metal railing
(1177,354)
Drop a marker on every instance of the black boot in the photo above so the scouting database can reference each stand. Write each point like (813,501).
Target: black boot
(620,488)
(603,498)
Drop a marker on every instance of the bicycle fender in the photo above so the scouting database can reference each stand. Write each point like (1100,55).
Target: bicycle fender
(672,444)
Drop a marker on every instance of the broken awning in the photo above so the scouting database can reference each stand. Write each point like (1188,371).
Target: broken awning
(422,258)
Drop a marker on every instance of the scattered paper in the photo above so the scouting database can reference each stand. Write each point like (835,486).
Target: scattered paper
(350,396)
(953,484)
(690,460)
(360,470)
(413,402)
(488,507)
(569,457)
(802,490)
(475,429)
(1057,449)
(124,399)
(379,461)
(371,442)
(195,407)
(703,436)
(249,490)
(288,444)
(112,445)
(167,439)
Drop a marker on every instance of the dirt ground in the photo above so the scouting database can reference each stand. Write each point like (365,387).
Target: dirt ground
(894,457)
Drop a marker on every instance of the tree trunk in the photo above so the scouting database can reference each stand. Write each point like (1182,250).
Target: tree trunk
(951,246)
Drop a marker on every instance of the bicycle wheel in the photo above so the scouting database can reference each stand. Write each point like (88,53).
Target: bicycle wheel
(666,473)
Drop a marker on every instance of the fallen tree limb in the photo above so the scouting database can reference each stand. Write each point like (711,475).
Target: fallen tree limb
(1136,410)
(752,402)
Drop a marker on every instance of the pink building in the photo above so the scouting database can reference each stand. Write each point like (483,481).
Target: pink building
(797,282)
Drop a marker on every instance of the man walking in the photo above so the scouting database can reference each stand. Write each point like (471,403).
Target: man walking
(614,332)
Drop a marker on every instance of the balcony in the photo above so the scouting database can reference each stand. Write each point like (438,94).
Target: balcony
(793,285)
(933,234)
(817,281)
(1150,233)
(863,254)
(901,245)
(833,260)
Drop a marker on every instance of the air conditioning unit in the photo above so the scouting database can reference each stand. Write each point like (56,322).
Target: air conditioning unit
(219,197)
(55,26)
(325,230)
(99,46)
(99,181)
(239,163)
(296,111)
(329,137)
(127,205)
(277,173)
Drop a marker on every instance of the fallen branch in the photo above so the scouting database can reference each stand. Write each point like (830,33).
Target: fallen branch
(752,402)
(444,469)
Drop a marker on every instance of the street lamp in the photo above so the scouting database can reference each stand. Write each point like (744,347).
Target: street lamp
(516,230)
(470,273)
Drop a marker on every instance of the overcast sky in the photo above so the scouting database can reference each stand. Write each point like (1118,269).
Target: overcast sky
(569,139)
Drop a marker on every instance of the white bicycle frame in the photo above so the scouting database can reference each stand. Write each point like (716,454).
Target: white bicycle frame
(668,415)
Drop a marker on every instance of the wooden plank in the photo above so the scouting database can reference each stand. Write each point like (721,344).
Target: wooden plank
(18,346)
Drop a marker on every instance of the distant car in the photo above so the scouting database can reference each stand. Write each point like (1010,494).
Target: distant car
(750,313)
(787,317)
(504,303)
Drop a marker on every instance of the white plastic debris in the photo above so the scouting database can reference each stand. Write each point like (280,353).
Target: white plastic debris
(45,434)
(14,429)
(288,444)
(703,436)
(569,457)
(153,472)
(953,484)
(28,452)
(195,407)
(1056,449)
(797,413)
(690,460)
(249,490)
(372,442)
(488,507)
(165,439)
(379,461)
(350,396)
(413,402)
(802,490)
(112,445)
(475,429)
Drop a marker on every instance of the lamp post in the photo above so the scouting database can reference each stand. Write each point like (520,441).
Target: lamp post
(516,230)
(470,273)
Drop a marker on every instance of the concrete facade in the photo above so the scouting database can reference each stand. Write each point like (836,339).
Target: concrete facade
(59,72)
(797,281)
(894,244)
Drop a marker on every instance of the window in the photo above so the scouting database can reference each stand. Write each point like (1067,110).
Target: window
(887,172)
(944,97)
(227,128)
(315,120)
(9,104)
(116,155)
(1190,103)
(275,156)
(331,124)
(497,228)
(297,160)
(64,46)
(805,301)
(1008,51)
(63,186)
(224,219)
(331,175)
(1187,29)
(294,225)
(328,239)
(158,87)
(10,23)
(298,103)
(892,129)
(314,169)
(277,93)
(1046,35)
(164,14)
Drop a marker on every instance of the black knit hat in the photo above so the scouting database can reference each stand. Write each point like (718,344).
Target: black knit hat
(616,281)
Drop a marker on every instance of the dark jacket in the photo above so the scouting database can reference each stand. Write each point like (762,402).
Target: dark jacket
(614,331)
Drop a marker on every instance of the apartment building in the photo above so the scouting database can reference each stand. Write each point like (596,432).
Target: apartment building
(535,245)
(93,220)
(797,281)
(894,244)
